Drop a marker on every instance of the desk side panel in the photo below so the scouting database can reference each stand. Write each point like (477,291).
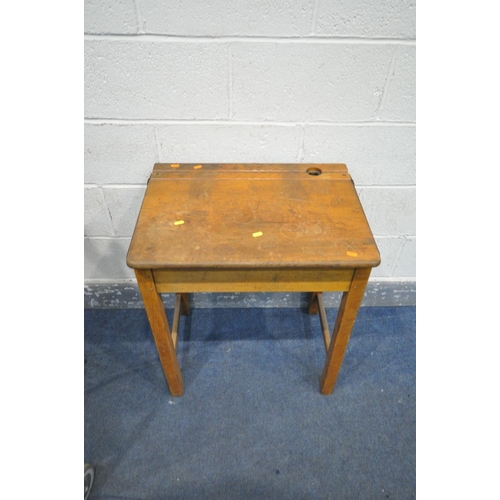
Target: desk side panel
(260,280)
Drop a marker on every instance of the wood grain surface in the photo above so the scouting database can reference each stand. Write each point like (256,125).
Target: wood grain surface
(235,216)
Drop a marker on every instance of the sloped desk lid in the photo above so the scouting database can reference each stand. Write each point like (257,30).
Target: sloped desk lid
(251,215)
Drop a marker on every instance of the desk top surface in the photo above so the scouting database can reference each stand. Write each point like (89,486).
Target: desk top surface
(251,215)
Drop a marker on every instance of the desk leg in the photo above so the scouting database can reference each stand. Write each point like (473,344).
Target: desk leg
(161,331)
(351,300)
(313,303)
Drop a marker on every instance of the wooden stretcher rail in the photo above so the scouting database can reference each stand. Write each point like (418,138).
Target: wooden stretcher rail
(175,322)
(324,322)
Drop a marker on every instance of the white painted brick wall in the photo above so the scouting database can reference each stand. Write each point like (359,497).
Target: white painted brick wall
(124,205)
(108,16)
(240,142)
(390,210)
(404,265)
(96,216)
(362,18)
(119,154)
(399,102)
(105,259)
(389,248)
(257,81)
(308,81)
(218,18)
(156,80)
(376,155)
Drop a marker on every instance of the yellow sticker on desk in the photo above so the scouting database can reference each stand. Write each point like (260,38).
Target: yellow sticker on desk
(196,167)
(178,222)
(352,254)
(257,234)
(174,165)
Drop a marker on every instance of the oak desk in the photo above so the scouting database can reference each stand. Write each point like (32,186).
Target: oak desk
(251,228)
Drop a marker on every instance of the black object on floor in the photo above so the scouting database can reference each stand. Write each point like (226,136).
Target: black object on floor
(252,423)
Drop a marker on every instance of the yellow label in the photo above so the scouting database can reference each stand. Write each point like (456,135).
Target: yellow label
(257,234)
(174,165)
(178,222)
(352,254)
(196,167)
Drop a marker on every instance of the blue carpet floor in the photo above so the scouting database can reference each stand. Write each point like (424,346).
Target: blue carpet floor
(252,423)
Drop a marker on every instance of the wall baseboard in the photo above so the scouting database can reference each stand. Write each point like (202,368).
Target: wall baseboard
(126,295)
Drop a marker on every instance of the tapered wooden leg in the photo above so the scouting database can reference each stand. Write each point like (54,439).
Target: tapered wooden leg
(161,331)
(181,307)
(313,303)
(351,300)
(184,304)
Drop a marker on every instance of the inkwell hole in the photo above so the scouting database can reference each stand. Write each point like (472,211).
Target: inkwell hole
(313,171)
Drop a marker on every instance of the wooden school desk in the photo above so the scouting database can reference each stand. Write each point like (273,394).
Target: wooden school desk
(251,228)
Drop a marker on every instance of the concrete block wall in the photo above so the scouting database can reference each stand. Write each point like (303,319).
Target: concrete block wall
(248,81)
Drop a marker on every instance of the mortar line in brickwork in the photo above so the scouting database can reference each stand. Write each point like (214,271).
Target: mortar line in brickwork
(230,81)
(143,186)
(398,256)
(158,121)
(358,186)
(407,237)
(314,20)
(90,282)
(300,153)
(158,145)
(107,210)
(138,13)
(386,186)
(143,37)
(107,237)
(106,281)
(390,279)
(389,78)
(124,186)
